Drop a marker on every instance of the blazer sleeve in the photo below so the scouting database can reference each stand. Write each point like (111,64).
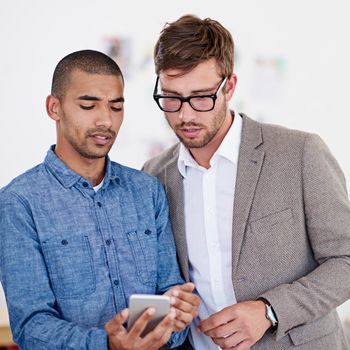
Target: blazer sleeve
(327,218)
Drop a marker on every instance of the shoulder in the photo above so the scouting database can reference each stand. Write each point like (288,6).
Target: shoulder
(23,184)
(156,165)
(273,131)
(278,137)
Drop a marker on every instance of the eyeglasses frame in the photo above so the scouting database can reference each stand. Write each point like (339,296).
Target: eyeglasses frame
(182,99)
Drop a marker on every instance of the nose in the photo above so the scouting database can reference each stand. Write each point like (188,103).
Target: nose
(187,113)
(104,118)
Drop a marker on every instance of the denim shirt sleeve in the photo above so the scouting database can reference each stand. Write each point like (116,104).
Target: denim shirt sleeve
(168,269)
(35,322)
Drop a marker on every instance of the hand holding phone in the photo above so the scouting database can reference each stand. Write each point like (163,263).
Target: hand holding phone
(138,303)
(121,339)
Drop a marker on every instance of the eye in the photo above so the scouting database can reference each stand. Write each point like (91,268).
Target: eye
(86,107)
(117,109)
(199,98)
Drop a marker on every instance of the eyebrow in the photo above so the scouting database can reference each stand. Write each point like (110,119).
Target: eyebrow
(192,92)
(94,98)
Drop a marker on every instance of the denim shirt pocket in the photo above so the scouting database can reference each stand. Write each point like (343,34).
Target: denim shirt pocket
(70,265)
(143,246)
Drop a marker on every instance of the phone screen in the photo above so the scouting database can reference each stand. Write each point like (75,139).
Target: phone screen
(138,303)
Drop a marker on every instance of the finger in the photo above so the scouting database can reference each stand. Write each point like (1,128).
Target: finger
(230,341)
(222,331)
(187,297)
(187,287)
(179,326)
(217,319)
(181,304)
(184,317)
(155,336)
(209,324)
(166,336)
(141,323)
(115,325)
(164,339)
(244,345)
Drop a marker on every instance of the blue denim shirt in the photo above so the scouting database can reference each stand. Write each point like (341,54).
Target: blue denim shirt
(70,257)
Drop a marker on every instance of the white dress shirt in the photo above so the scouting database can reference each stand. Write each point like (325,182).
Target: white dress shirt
(209,197)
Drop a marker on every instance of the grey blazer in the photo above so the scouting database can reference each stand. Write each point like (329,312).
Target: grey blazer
(290,234)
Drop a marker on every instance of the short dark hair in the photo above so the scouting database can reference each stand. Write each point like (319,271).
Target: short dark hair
(88,61)
(189,41)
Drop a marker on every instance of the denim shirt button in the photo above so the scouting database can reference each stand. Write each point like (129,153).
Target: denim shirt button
(99,204)
(148,232)
(85,184)
(64,242)
(108,242)
(116,282)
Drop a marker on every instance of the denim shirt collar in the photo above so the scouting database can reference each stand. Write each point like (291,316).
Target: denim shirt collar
(68,178)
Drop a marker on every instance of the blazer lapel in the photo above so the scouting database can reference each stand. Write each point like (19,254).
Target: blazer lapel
(174,189)
(248,171)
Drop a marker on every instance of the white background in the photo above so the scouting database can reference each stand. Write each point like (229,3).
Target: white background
(308,90)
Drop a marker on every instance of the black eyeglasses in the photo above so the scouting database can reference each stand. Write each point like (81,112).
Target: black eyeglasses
(200,103)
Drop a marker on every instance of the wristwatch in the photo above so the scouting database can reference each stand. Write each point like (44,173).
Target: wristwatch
(269,313)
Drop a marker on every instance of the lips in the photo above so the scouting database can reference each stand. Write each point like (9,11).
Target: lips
(101,139)
(190,132)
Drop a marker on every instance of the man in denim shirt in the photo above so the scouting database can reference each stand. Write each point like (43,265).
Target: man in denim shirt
(80,233)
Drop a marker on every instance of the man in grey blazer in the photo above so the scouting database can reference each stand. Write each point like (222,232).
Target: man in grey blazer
(260,213)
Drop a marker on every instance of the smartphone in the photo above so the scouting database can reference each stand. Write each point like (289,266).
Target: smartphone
(138,303)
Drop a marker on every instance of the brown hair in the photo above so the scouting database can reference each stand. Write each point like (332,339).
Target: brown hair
(188,41)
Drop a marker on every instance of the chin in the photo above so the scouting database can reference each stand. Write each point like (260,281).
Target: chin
(192,143)
(94,154)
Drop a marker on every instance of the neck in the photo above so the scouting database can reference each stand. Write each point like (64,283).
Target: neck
(92,170)
(204,154)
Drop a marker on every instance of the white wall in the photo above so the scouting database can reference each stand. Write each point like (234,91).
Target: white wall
(301,81)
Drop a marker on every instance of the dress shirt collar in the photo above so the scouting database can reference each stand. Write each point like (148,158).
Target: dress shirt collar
(229,148)
(67,177)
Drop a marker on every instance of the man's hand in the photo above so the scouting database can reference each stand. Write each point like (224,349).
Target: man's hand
(120,339)
(237,326)
(185,303)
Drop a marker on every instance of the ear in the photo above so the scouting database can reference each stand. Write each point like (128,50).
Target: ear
(230,86)
(53,105)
